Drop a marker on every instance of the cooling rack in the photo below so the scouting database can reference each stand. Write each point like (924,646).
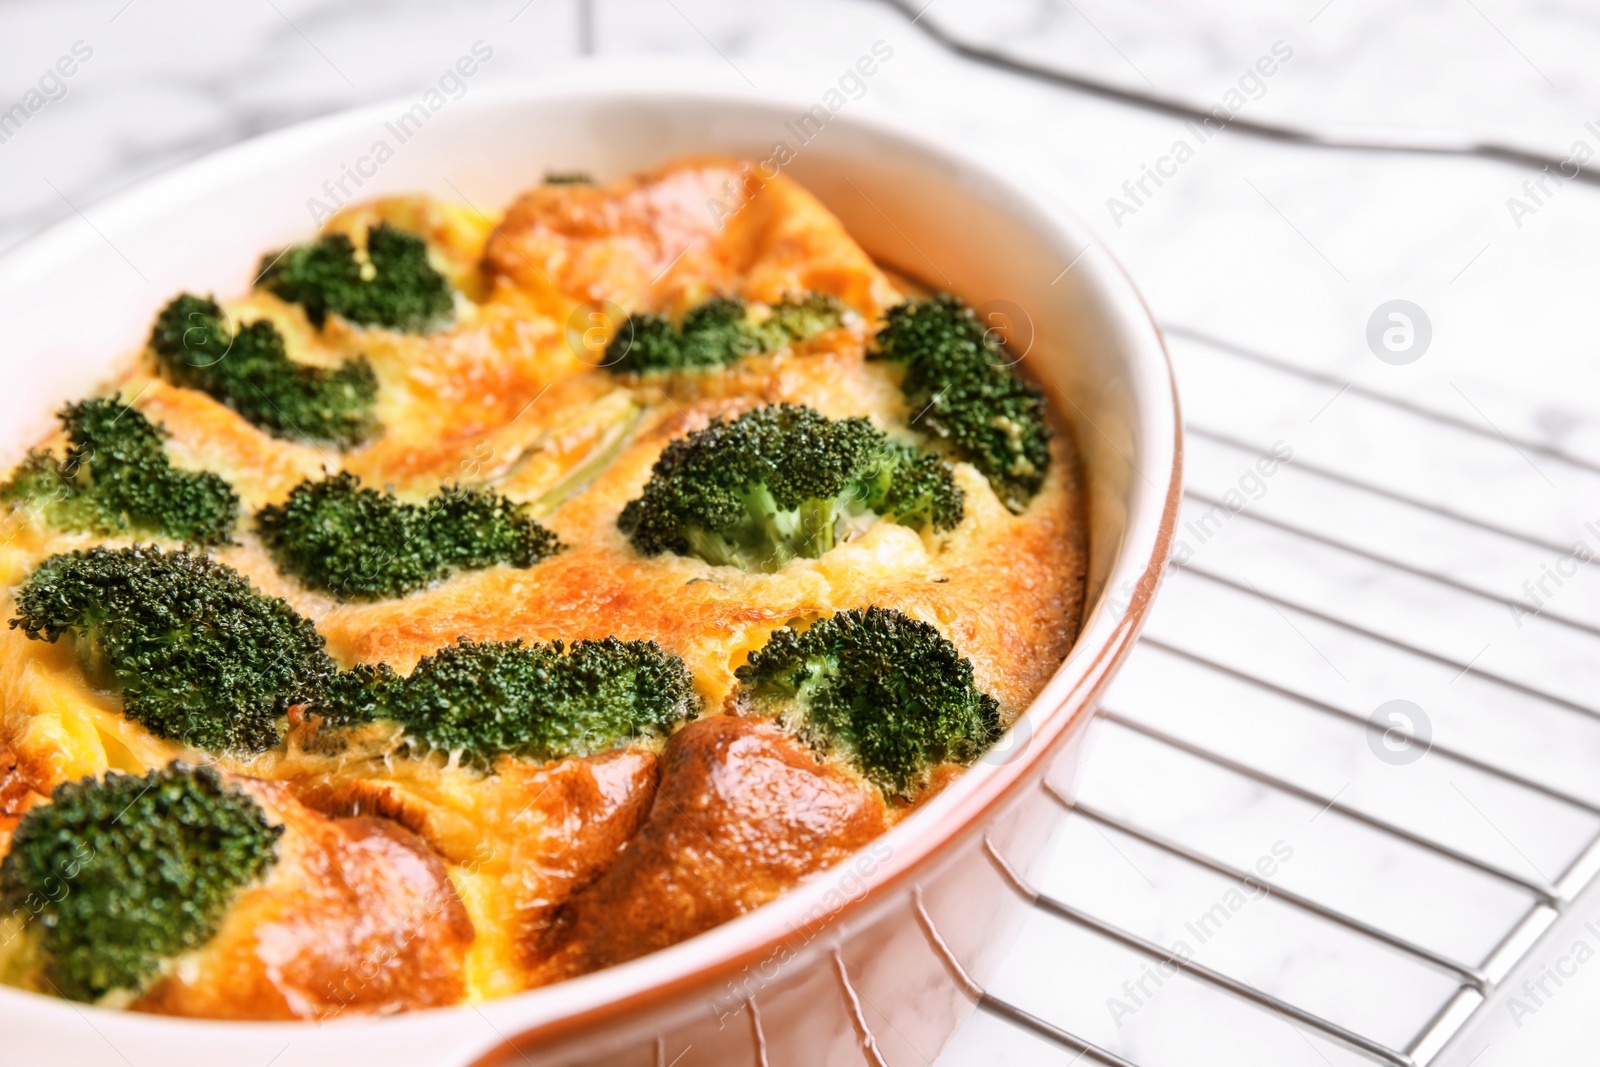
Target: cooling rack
(1346,780)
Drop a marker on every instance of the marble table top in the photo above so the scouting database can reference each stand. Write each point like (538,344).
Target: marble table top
(1271,246)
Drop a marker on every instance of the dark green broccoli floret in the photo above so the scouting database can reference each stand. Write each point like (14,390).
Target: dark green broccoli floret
(392,284)
(962,387)
(780,482)
(716,333)
(538,702)
(115,877)
(116,478)
(251,372)
(198,655)
(880,688)
(354,696)
(339,536)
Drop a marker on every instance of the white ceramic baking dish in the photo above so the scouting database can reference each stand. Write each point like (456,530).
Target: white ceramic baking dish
(871,963)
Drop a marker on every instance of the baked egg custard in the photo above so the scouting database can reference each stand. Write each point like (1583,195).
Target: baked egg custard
(476,603)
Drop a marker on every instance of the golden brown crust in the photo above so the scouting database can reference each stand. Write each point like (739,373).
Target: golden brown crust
(529,836)
(679,233)
(744,812)
(358,916)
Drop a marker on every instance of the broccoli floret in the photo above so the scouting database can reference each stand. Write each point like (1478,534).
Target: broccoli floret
(116,477)
(251,372)
(716,333)
(539,702)
(198,655)
(390,284)
(965,390)
(114,877)
(780,482)
(355,696)
(355,541)
(800,319)
(884,690)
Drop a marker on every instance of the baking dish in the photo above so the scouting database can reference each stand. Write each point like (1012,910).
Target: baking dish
(875,961)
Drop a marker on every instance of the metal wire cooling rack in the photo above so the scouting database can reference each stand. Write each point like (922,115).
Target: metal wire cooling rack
(1265,860)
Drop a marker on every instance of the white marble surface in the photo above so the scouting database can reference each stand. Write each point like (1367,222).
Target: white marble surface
(1282,248)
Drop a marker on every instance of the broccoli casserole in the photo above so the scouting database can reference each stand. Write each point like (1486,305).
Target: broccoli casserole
(477,603)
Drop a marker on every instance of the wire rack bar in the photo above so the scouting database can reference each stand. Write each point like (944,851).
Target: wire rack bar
(1581,871)
(1445,1024)
(1001,1008)
(1192,429)
(1546,894)
(1526,606)
(1372,635)
(1050,1032)
(1462,971)
(1217,979)
(1420,411)
(1445,751)
(1515,944)
(1452,1015)
(1279,133)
